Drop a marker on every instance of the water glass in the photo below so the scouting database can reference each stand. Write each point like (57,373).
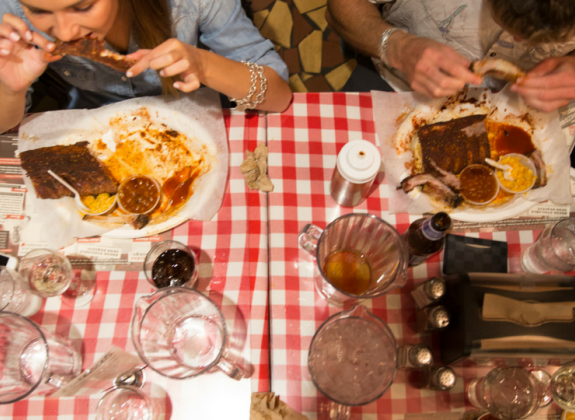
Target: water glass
(352,359)
(125,403)
(382,257)
(33,360)
(15,296)
(47,272)
(563,387)
(171,263)
(507,393)
(554,250)
(181,333)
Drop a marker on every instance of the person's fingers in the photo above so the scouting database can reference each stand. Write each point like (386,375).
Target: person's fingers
(546,106)
(138,54)
(42,42)
(545,67)
(165,60)
(176,68)
(546,95)
(19,26)
(188,84)
(553,81)
(6,47)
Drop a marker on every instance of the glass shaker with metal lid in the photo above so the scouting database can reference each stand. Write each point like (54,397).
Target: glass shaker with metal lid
(357,165)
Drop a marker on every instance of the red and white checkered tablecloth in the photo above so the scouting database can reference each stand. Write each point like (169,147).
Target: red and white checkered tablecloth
(303,144)
(233,272)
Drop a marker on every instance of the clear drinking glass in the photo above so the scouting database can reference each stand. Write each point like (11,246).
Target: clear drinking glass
(352,359)
(563,387)
(554,250)
(47,272)
(181,333)
(376,250)
(174,262)
(507,393)
(15,296)
(33,360)
(125,403)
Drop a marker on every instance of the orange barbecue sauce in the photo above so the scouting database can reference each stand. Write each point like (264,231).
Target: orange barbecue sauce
(512,139)
(177,188)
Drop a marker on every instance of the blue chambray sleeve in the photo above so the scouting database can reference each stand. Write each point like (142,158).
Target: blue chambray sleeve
(227,31)
(11,6)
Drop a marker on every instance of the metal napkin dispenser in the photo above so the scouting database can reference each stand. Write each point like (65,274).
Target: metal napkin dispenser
(499,315)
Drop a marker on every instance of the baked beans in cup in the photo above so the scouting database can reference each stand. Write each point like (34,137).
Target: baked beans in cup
(139,194)
(479,185)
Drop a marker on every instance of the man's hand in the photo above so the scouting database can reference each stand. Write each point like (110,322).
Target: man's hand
(431,68)
(550,85)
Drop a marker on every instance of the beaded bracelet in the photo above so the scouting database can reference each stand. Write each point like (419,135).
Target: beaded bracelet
(255,72)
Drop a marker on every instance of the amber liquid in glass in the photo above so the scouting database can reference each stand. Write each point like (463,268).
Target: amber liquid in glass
(349,271)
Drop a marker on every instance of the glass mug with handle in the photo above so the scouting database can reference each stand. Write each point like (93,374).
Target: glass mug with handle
(358,256)
(507,393)
(33,360)
(352,360)
(180,333)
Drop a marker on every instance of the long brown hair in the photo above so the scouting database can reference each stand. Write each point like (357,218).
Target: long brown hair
(151,26)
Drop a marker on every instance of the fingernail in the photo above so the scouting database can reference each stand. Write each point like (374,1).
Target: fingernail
(129,74)
(513,88)
(176,85)
(4,52)
(28,36)
(162,73)
(14,37)
(50,46)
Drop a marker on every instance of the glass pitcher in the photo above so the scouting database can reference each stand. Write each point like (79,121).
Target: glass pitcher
(180,333)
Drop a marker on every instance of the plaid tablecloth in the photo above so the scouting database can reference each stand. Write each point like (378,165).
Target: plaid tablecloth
(303,144)
(233,272)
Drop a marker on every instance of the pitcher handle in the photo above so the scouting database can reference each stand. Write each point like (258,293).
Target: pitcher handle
(232,369)
(308,237)
(338,411)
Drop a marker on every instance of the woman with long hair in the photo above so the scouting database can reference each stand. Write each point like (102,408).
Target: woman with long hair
(160,35)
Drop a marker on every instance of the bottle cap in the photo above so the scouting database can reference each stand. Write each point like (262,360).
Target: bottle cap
(435,288)
(421,356)
(446,378)
(359,161)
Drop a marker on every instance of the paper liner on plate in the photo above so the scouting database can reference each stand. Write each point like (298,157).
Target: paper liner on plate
(197,115)
(393,115)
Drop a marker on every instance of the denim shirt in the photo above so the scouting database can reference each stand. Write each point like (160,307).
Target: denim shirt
(221,25)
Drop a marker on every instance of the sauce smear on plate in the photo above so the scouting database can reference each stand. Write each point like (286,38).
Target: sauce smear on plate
(512,139)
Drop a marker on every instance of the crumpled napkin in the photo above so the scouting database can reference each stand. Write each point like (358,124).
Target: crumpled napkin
(267,406)
(255,169)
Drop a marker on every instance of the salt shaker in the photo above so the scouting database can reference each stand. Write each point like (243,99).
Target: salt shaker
(439,378)
(432,318)
(357,165)
(429,292)
(415,357)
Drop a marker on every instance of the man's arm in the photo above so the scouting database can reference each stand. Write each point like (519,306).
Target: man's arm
(358,22)
(13,105)
(431,68)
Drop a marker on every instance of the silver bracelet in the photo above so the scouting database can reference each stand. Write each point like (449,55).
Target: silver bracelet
(383,41)
(255,72)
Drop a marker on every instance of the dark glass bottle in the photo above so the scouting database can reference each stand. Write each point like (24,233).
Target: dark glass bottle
(425,237)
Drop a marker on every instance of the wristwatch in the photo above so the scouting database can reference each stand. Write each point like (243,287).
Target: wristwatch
(383,41)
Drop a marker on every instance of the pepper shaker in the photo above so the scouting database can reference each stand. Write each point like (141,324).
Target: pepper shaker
(439,378)
(429,292)
(356,167)
(416,356)
(432,318)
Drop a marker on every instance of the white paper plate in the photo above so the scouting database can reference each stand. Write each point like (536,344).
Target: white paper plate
(518,206)
(128,232)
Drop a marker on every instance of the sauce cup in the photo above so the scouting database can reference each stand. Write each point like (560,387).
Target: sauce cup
(525,162)
(108,209)
(479,185)
(139,194)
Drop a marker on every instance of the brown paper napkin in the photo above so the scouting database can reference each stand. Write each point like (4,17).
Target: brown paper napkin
(255,169)
(500,308)
(267,406)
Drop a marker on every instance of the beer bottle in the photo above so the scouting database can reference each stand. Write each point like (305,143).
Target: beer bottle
(425,237)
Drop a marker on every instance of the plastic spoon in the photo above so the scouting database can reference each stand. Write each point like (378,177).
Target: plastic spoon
(77,198)
(505,168)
